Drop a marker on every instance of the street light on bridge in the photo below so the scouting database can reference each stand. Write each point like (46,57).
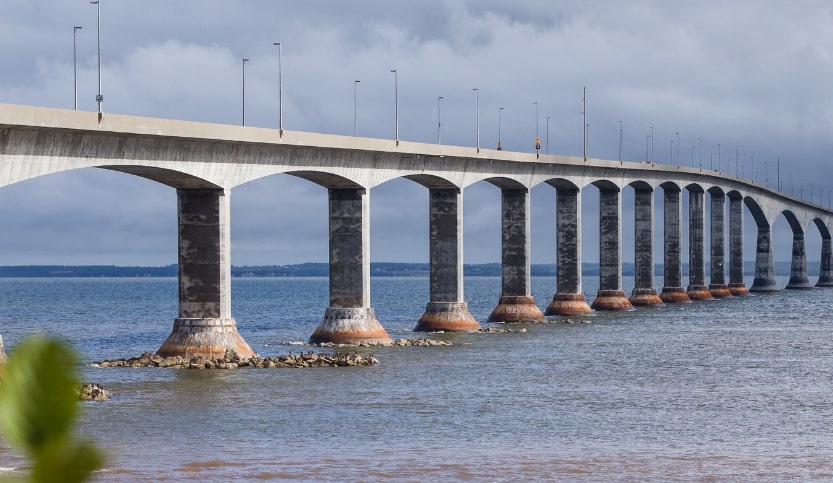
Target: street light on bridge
(396,103)
(477,115)
(548,134)
(439,119)
(499,143)
(280,89)
(75,29)
(98,98)
(678,147)
(355,108)
(244,90)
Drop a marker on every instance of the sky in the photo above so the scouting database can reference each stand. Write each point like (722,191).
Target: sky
(750,80)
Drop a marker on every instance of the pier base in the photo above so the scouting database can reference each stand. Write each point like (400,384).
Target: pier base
(568,304)
(698,292)
(611,300)
(674,295)
(645,297)
(825,282)
(516,309)
(205,337)
(799,283)
(446,316)
(764,285)
(720,290)
(349,326)
(738,289)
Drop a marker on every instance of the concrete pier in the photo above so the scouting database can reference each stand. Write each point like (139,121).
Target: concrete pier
(826,269)
(644,292)
(736,284)
(764,267)
(205,326)
(718,287)
(568,298)
(697,289)
(447,310)
(349,319)
(798,268)
(516,303)
(672,289)
(610,296)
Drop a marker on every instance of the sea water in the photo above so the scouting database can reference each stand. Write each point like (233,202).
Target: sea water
(732,389)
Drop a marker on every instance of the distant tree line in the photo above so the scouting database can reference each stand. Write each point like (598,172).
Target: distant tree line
(382,269)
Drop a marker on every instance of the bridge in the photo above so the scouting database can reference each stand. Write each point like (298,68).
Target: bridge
(204,162)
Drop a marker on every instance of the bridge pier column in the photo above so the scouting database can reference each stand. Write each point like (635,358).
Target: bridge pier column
(516,302)
(697,289)
(568,298)
(798,268)
(446,311)
(736,284)
(764,267)
(826,269)
(644,292)
(610,296)
(672,289)
(718,287)
(205,326)
(349,319)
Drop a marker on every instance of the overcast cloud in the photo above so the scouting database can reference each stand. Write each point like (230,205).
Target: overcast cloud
(754,76)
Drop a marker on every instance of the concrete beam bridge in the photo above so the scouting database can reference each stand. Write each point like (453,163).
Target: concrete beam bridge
(204,162)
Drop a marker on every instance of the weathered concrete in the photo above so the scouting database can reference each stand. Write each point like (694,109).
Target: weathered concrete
(764,267)
(644,292)
(568,299)
(610,296)
(826,269)
(718,287)
(736,284)
(672,289)
(349,319)
(447,310)
(205,326)
(697,289)
(516,303)
(798,268)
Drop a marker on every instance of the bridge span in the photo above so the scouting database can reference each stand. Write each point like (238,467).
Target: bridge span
(203,162)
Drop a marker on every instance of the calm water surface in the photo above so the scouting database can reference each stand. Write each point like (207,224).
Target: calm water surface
(722,390)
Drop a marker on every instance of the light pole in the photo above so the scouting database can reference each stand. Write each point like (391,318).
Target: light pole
(678,147)
(778,172)
(652,144)
(692,156)
(711,161)
(548,134)
(439,119)
(648,148)
(396,103)
(584,113)
(536,119)
(499,143)
(752,162)
(477,115)
(280,89)
(672,151)
(355,108)
(718,156)
(244,90)
(620,141)
(736,162)
(98,98)
(75,29)
(701,153)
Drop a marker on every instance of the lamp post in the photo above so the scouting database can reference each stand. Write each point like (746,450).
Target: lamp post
(672,151)
(499,143)
(355,108)
(75,29)
(718,156)
(99,99)
(678,147)
(701,152)
(244,90)
(396,103)
(752,162)
(620,141)
(736,162)
(692,156)
(477,115)
(536,119)
(280,89)
(652,144)
(439,119)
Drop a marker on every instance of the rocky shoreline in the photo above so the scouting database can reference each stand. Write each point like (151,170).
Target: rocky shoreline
(232,361)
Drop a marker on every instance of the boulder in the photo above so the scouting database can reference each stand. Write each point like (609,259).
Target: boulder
(93,392)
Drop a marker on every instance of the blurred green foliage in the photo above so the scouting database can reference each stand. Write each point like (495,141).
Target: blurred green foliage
(38,409)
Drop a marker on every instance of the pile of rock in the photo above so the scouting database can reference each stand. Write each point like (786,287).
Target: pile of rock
(394,343)
(93,392)
(501,330)
(231,361)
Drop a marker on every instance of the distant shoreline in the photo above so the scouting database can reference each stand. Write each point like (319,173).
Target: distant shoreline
(381,269)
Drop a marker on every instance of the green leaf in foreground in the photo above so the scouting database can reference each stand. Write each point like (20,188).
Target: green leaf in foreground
(38,407)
